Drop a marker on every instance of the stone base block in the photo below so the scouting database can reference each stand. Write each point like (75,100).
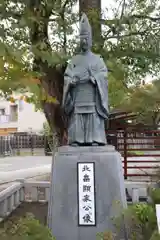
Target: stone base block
(109,187)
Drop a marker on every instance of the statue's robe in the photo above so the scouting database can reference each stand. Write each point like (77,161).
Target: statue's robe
(86,103)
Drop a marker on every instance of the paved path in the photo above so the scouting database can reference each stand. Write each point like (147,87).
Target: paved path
(12,168)
(16,163)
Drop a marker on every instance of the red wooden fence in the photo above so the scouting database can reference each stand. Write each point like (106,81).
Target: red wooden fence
(140,150)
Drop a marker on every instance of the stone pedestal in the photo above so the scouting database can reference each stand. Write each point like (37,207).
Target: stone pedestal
(109,187)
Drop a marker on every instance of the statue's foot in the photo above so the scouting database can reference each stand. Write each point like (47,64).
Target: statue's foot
(74,145)
(95,144)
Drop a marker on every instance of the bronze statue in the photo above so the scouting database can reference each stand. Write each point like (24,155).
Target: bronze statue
(85,97)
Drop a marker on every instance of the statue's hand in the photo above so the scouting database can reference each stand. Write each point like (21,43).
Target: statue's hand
(74,81)
(93,80)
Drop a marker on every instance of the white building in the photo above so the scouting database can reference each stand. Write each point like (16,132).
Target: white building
(19,116)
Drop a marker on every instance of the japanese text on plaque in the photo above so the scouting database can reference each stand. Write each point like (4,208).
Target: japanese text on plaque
(86,194)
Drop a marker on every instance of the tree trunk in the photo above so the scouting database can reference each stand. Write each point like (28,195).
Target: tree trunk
(52,80)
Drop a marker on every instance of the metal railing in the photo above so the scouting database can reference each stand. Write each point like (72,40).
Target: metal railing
(27,144)
(38,191)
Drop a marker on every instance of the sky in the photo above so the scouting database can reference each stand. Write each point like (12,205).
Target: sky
(107,3)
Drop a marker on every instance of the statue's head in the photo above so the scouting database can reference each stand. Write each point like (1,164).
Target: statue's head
(85,34)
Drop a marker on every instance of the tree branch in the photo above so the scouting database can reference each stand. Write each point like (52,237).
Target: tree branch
(123,8)
(145,17)
(62,14)
(127,20)
(65,5)
(126,35)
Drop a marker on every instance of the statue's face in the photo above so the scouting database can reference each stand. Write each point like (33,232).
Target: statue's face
(84,43)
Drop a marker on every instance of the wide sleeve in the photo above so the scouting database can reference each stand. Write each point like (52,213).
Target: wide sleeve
(100,75)
(67,102)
